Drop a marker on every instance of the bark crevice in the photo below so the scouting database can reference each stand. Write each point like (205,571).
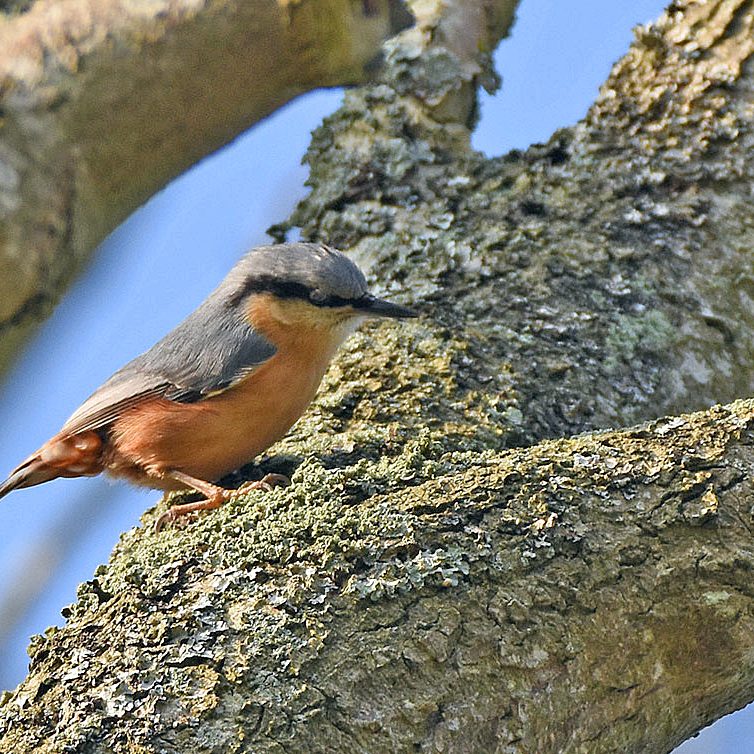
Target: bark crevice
(455,568)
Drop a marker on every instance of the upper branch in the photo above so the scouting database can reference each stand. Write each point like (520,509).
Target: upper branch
(103,102)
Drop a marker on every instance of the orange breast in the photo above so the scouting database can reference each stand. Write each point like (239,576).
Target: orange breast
(211,438)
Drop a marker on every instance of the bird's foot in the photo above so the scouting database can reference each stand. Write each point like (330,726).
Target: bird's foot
(215,497)
(177,512)
(266,483)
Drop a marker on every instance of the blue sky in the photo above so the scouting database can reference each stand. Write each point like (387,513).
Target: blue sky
(161,263)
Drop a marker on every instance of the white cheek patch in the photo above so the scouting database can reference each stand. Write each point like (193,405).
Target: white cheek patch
(349,326)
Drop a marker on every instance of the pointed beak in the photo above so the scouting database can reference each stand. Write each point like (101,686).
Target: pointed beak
(378,307)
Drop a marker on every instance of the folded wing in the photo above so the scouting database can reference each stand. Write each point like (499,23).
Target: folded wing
(208,353)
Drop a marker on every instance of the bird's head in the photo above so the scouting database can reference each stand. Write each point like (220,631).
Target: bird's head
(306,286)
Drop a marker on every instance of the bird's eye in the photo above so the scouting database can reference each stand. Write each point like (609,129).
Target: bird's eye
(317,296)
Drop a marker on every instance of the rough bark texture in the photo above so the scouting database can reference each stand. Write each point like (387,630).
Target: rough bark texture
(102,102)
(424,585)
(583,595)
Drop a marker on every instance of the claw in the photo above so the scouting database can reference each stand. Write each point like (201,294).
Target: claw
(267,483)
(178,512)
(166,519)
(215,497)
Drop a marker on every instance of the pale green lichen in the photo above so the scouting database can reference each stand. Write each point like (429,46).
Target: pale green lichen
(633,335)
(453,573)
(256,593)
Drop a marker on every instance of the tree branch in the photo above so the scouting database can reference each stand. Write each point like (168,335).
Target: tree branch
(103,102)
(422,586)
(581,595)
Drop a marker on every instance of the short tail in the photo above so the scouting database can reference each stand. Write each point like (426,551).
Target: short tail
(32,471)
(62,455)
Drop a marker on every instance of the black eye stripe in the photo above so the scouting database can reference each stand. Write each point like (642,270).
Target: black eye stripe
(333,301)
(290,290)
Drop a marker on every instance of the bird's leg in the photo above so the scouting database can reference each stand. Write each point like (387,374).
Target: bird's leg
(215,497)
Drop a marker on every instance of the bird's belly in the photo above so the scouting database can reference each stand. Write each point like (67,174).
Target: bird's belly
(212,437)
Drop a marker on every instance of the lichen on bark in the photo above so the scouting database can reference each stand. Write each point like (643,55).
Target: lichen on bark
(421,600)
(443,575)
(593,273)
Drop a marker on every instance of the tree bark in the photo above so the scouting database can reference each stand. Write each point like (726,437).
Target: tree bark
(424,585)
(103,102)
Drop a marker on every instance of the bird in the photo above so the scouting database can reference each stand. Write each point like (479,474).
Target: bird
(223,386)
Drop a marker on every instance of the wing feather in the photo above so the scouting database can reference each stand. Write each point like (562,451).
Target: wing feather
(209,352)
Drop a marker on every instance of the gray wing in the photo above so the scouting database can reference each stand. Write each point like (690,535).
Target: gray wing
(210,351)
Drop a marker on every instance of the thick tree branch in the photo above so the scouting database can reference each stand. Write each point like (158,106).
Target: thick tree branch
(102,102)
(585,595)
(422,586)
(597,280)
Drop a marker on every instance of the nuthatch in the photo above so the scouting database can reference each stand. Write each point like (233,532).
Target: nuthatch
(221,387)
